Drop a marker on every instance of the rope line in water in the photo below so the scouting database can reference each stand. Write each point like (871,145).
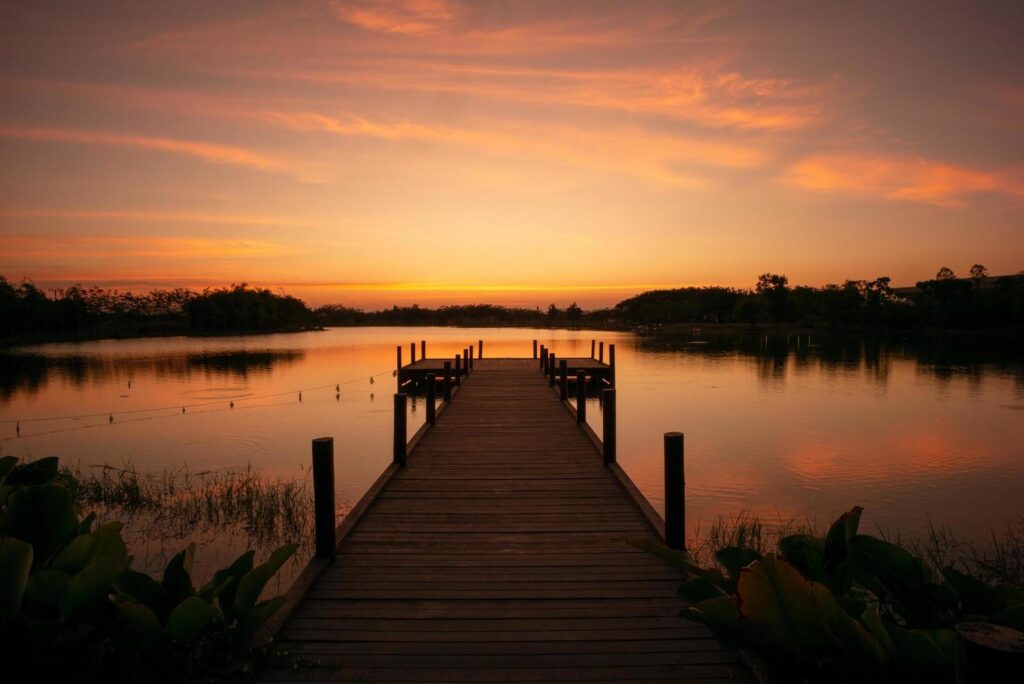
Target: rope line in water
(183,407)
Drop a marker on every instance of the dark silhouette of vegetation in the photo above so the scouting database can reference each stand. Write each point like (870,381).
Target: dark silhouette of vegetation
(27,314)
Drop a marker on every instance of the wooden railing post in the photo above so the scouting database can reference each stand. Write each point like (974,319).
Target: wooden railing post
(600,351)
(398,368)
(675,492)
(472,357)
(592,350)
(551,369)
(447,381)
(611,363)
(412,352)
(323,497)
(609,426)
(543,359)
(431,399)
(480,347)
(581,396)
(458,369)
(400,429)
(535,349)
(423,349)
(563,378)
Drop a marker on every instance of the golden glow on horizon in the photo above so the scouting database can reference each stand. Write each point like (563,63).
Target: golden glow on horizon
(433,149)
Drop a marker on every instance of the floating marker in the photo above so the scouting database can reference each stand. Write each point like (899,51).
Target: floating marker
(394,374)
(129,384)
(17,428)
(111,417)
(371,379)
(337,388)
(337,397)
(300,396)
(231,405)
(183,409)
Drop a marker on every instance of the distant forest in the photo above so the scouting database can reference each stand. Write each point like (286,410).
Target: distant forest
(979,301)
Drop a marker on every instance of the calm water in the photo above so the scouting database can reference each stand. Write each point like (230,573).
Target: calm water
(783,428)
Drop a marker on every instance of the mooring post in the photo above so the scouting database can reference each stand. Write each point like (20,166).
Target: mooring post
(431,399)
(323,497)
(398,368)
(675,492)
(600,351)
(551,369)
(412,352)
(563,377)
(535,349)
(611,363)
(608,439)
(480,347)
(400,424)
(592,350)
(447,381)
(458,369)
(465,360)
(423,349)
(581,396)
(472,357)
(543,359)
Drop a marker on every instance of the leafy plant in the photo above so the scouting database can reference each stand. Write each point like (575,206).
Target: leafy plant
(73,609)
(846,605)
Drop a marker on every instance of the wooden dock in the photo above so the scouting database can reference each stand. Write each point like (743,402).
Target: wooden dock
(498,553)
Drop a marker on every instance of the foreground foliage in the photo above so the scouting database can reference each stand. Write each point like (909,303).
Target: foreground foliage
(843,606)
(73,609)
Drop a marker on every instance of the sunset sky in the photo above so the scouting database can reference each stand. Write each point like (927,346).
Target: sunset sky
(435,151)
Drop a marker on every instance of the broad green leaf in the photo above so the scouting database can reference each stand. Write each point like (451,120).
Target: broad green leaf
(1010,594)
(860,650)
(177,580)
(43,594)
(779,606)
(896,576)
(735,558)
(259,614)
(189,618)
(697,589)
(225,582)
(144,590)
(1012,616)
(7,464)
(33,473)
(44,516)
(806,554)
(923,651)
(975,596)
(872,619)
(251,585)
(90,588)
(139,626)
(837,547)
(15,565)
(86,525)
(721,614)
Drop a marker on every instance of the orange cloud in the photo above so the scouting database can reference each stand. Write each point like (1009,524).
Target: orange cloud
(403,16)
(898,178)
(155,216)
(98,246)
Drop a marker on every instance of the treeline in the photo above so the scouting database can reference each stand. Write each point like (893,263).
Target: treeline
(945,301)
(27,313)
(483,315)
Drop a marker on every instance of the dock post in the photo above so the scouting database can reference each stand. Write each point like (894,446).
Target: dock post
(600,351)
(400,425)
(611,363)
(480,347)
(543,359)
(472,357)
(323,497)
(447,381)
(431,409)
(563,379)
(609,426)
(581,396)
(551,369)
(465,360)
(458,369)
(592,350)
(675,492)
(412,352)
(398,367)
(423,349)
(535,349)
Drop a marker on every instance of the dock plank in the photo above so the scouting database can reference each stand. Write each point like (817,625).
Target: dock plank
(499,553)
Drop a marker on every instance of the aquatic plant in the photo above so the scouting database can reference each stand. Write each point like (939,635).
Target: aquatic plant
(846,605)
(72,608)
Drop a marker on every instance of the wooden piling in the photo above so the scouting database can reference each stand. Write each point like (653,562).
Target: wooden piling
(400,429)
(431,380)
(323,497)
(480,348)
(551,369)
(543,359)
(398,367)
(611,364)
(563,380)
(581,396)
(472,357)
(600,351)
(535,349)
(412,352)
(458,369)
(675,492)
(423,349)
(447,381)
(592,345)
(465,360)
(608,438)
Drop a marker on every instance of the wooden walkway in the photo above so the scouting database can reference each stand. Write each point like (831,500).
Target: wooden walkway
(499,553)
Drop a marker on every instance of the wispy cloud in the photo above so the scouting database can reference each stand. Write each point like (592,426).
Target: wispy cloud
(107,246)
(416,17)
(153,216)
(901,178)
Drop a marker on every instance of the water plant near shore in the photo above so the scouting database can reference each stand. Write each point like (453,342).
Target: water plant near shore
(72,608)
(846,606)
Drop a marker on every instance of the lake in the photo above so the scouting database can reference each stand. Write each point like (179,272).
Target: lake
(798,428)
